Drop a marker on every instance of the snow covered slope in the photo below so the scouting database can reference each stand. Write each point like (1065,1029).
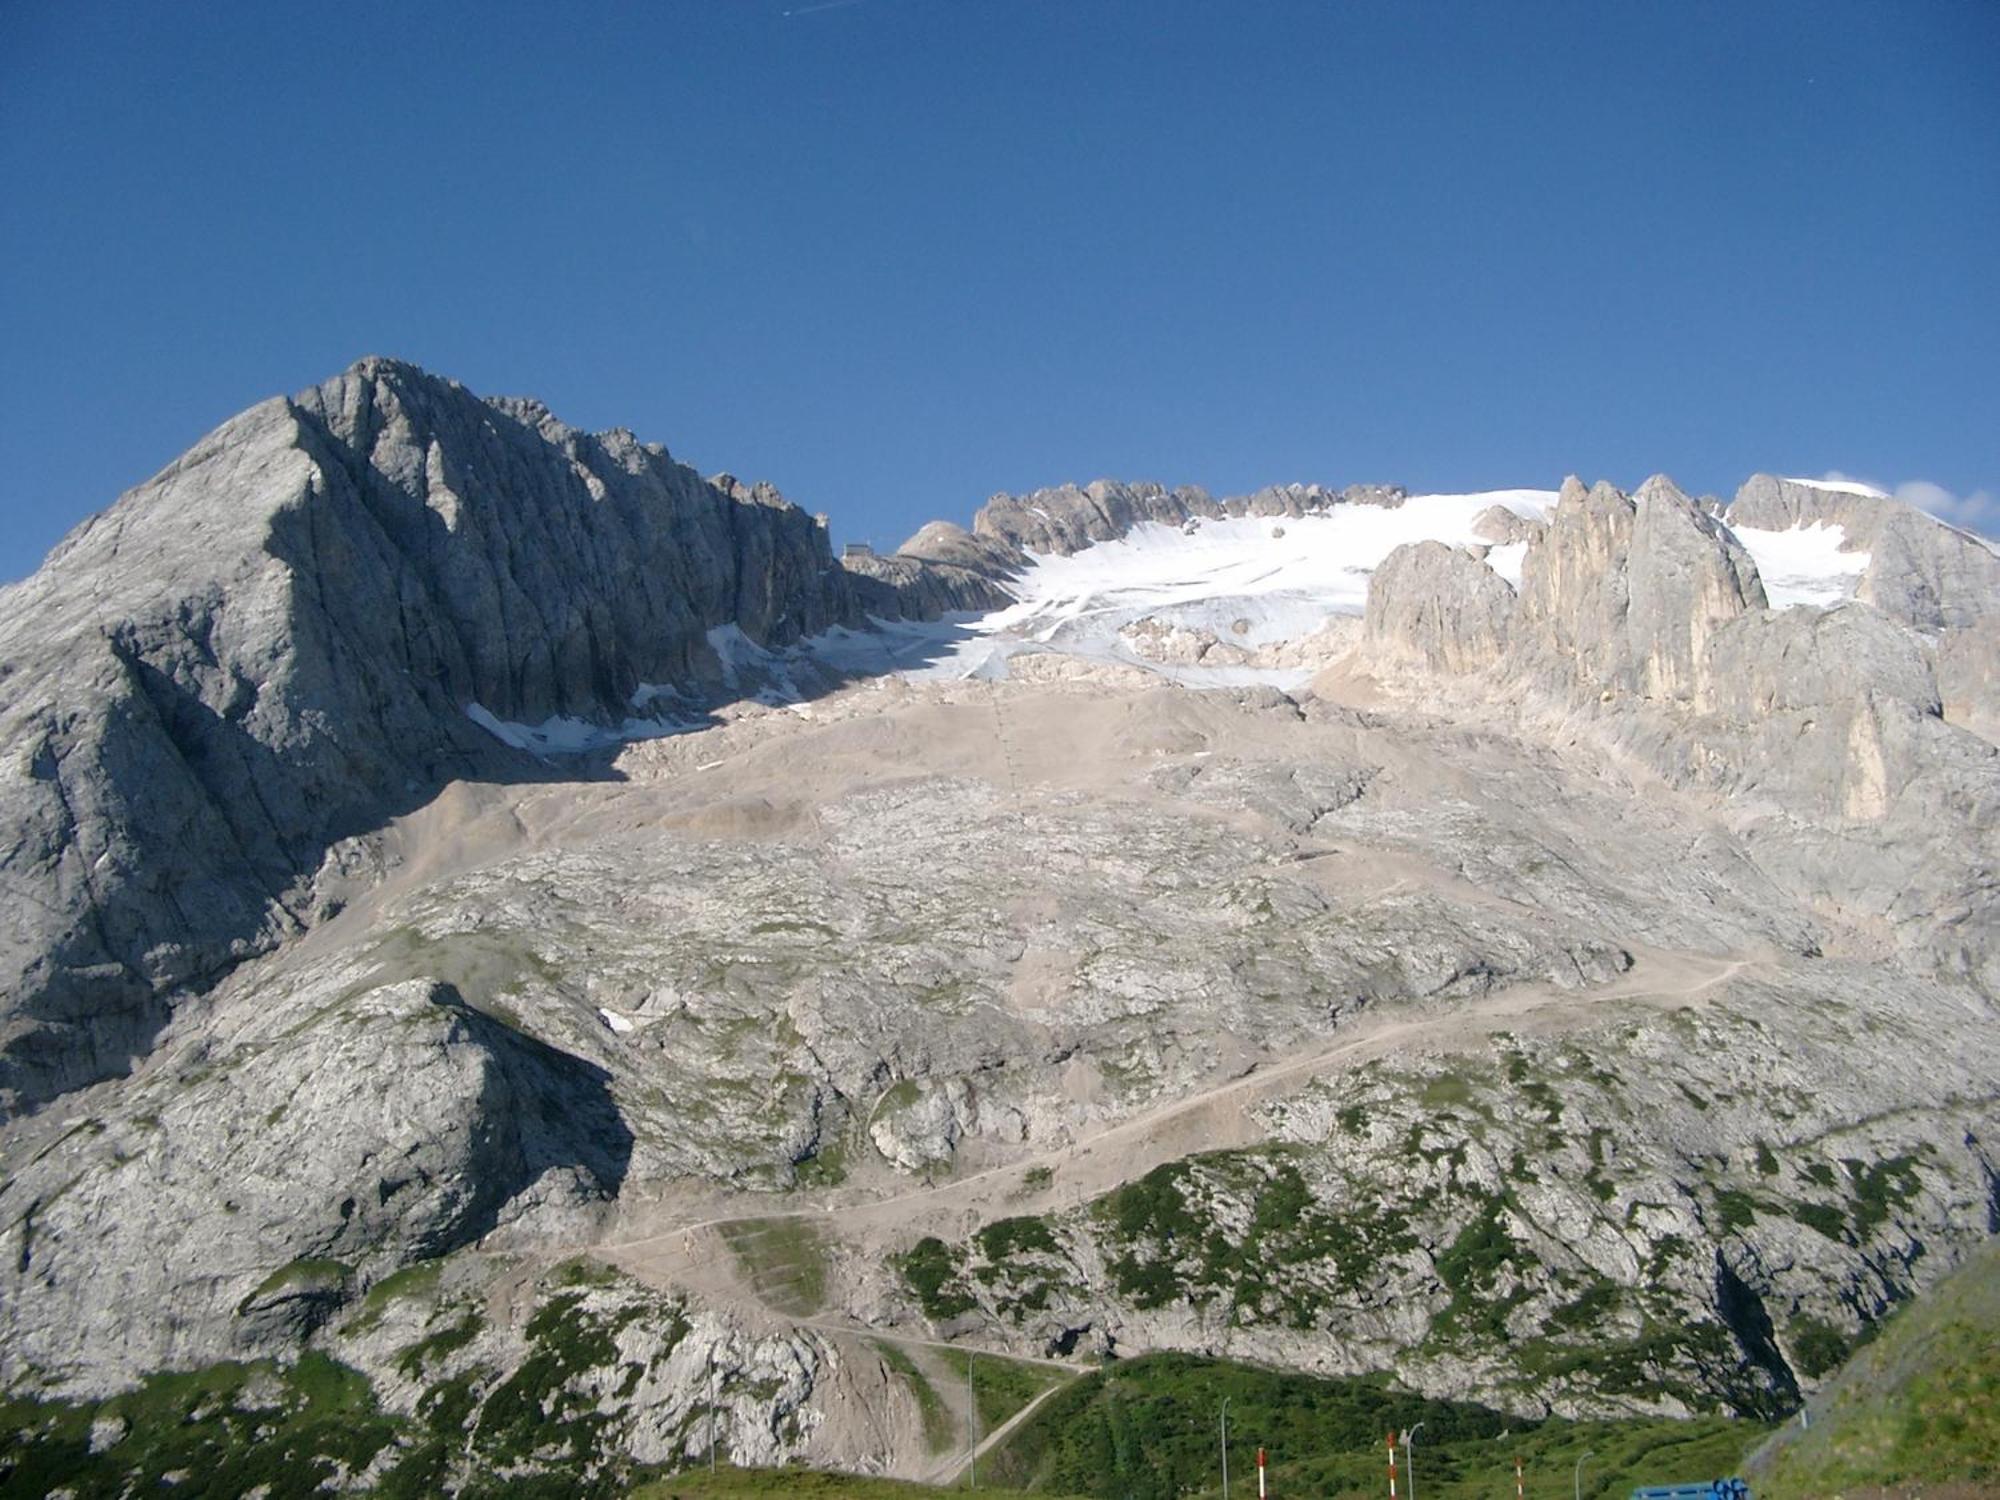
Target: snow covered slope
(1804,564)
(1247,584)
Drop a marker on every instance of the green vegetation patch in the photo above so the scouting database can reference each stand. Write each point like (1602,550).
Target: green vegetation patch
(784,1259)
(419,1280)
(798,1484)
(931,1270)
(1150,1429)
(538,1413)
(232,1427)
(1005,1238)
(1916,1408)
(939,1430)
(1001,1387)
(1293,1258)
(300,1278)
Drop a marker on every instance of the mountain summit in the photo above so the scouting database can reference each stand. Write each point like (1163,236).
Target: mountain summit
(270,648)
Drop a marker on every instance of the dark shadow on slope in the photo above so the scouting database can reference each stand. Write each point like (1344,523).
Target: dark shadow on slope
(1750,1321)
(177,826)
(546,1111)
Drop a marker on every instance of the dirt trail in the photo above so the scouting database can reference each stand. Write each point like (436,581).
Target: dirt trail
(953,1469)
(688,1252)
(700,1245)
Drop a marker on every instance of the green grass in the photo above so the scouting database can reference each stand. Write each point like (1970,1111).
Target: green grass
(940,1431)
(328,1276)
(419,1280)
(1919,1404)
(796,1484)
(784,1259)
(930,1269)
(1149,1429)
(232,1426)
(1004,1238)
(1001,1387)
(1173,1250)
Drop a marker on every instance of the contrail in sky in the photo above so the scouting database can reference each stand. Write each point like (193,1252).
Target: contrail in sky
(806,10)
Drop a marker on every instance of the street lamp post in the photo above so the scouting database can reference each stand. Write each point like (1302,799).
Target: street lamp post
(1576,1475)
(1225,1448)
(971,1425)
(1410,1459)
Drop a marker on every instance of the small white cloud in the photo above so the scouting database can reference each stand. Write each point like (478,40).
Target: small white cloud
(1978,511)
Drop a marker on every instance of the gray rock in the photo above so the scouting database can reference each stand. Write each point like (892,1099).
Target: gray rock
(1438,608)
(1500,526)
(270,647)
(243,1198)
(1687,577)
(1920,570)
(1068,518)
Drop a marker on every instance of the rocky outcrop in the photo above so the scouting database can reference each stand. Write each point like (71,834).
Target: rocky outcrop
(1621,595)
(1920,570)
(1071,517)
(1968,678)
(1643,625)
(1500,527)
(1687,578)
(904,585)
(244,1199)
(1575,593)
(1437,608)
(270,648)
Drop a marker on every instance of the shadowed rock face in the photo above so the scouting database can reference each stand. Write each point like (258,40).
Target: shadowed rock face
(269,648)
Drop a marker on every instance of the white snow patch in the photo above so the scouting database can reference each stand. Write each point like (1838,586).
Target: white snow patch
(1803,564)
(1222,574)
(1507,560)
(1234,578)
(617,1022)
(567,736)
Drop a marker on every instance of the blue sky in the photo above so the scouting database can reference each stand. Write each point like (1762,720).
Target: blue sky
(897,254)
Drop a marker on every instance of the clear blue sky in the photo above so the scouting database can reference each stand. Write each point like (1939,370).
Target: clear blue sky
(897,254)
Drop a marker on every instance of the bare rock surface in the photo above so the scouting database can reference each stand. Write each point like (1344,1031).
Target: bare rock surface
(1438,607)
(270,648)
(1582,999)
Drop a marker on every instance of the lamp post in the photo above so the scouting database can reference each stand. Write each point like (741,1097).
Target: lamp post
(1576,1475)
(971,1426)
(1410,1459)
(1225,1448)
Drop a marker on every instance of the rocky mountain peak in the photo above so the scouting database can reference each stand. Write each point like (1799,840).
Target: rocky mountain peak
(274,645)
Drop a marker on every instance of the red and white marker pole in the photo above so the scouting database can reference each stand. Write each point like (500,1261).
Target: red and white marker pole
(1260,1474)
(1520,1484)
(1392,1466)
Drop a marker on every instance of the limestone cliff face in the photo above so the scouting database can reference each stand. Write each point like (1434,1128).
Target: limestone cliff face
(1575,591)
(1688,578)
(1622,594)
(270,648)
(1839,733)
(1920,570)
(1438,608)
